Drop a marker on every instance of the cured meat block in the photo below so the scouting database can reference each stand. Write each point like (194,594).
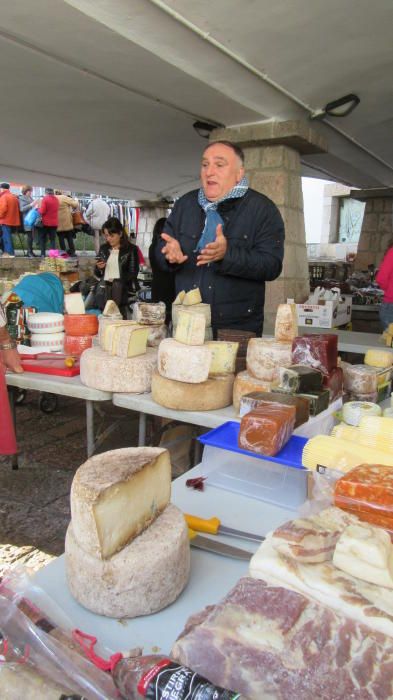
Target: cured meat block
(265,641)
(300,379)
(267,429)
(334,383)
(259,398)
(367,491)
(318,351)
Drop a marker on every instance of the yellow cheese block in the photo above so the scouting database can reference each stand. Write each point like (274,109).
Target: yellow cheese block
(341,455)
(192,297)
(378,358)
(223,357)
(190,328)
(180,297)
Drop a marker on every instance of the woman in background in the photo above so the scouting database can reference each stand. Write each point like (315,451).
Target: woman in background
(26,202)
(9,359)
(384,278)
(65,226)
(117,263)
(163,283)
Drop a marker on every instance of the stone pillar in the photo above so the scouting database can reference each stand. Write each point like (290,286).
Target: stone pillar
(272,152)
(149,213)
(377,228)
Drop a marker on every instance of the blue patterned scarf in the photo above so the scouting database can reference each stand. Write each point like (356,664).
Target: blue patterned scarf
(212,216)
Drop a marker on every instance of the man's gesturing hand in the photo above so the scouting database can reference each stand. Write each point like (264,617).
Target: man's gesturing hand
(214,251)
(172,250)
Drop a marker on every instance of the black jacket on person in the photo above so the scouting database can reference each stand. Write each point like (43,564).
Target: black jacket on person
(234,286)
(163,282)
(128,267)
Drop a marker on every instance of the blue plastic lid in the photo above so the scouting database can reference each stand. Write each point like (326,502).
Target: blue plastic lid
(226,436)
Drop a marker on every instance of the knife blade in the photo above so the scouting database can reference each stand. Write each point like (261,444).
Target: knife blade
(216,547)
(213,526)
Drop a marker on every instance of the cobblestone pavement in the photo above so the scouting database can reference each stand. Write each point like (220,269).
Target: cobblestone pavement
(34,500)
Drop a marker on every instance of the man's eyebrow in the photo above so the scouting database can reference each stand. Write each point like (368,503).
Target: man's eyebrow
(221,159)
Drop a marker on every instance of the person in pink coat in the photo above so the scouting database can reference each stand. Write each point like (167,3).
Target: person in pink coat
(384,278)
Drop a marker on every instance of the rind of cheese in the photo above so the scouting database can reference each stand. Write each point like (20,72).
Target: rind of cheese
(223,357)
(130,341)
(196,309)
(149,313)
(105,372)
(265,356)
(190,328)
(179,298)
(184,363)
(156,334)
(365,552)
(80,324)
(74,304)
(211,395)
(340,455)
(245,383)
(109,331)
(378,358)
(286,328)
(116,495)
(192,297)
(144,577)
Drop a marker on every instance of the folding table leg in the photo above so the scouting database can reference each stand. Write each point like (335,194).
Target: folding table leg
(142,429)
(11,396)
(90,427)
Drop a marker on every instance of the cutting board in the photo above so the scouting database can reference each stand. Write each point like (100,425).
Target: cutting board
(46,363)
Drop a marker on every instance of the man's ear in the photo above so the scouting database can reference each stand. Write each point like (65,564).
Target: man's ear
(240,175)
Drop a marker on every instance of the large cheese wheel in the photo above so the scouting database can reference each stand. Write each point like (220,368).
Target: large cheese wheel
(76,344)
(184,363)
(265,356)
(105,372)
(144,577)
(215,393)
(245,383)
(80,324)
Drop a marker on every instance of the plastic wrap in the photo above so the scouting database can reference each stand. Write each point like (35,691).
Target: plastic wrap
(22,680)
(334,382)
(49,657)
(149,314)
(341,455)
(260,398)
(267,429)
(359,379)
(76,344)
(367,492)
(80,324)
(300,379)
(265,356)
(318,351)
(286,327)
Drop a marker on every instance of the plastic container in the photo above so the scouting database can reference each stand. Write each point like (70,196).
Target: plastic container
(280,480)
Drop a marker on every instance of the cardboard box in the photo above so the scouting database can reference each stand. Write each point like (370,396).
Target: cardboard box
(326,314)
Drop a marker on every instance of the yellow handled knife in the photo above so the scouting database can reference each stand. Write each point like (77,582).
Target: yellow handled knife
(217,547)
(213,526)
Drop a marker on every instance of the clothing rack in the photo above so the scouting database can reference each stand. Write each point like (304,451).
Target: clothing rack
(122,209)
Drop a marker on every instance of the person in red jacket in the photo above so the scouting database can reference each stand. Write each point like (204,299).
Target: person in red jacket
(49,211)
(9,218)
(384,278)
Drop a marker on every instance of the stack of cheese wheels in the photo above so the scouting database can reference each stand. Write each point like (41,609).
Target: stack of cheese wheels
(123,362)
(152,315)
(80,330)
(192,301)
(127,551)
(47,331)
(192,375)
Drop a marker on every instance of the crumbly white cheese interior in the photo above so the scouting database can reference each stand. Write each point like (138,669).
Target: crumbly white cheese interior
(130,341)
(223,357)
(74,304)
(190,328)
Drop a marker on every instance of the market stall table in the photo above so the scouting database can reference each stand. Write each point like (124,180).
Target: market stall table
(211,576)
(63,386)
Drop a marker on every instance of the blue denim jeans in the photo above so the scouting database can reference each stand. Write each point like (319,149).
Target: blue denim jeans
(7,239)
(386,314)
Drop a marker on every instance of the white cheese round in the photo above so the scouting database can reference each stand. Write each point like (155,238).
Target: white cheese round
(184,363)
(215,393)
(353,411)
(105,372)
(144,577)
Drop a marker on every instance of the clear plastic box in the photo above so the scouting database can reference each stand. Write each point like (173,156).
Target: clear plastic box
(280,480)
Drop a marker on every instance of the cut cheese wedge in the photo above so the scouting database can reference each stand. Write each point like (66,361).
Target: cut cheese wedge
(107,337)
(130,341)
(190,328)
(111,309)
(116,495)
(179,298)
(196,309)
(223,357)
(192,297)
(74,304)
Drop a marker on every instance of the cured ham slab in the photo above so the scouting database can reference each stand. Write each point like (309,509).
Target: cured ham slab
(267,642)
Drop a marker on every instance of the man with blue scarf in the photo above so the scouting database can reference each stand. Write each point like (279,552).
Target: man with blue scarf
(226,239)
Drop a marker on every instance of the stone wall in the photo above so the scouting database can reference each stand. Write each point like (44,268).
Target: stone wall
(377,232)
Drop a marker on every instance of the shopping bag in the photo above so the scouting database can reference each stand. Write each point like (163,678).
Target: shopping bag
(30,219)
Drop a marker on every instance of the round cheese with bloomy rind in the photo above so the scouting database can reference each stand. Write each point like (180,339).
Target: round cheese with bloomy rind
(265,356)
(144,577)
(116,495)
(245,383)
(211,395)
(105,372)
(184,363)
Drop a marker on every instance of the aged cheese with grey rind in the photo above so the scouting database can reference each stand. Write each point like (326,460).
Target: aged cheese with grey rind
(148,313)
(156,334)
(190,328)
(245,383)
(117,494)
(195,309)
(265,356)
(214,393)
(184,363)
(144,577)
(99,370)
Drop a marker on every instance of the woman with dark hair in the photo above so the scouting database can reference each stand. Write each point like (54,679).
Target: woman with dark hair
(163,283)
(384,278)
(117,263)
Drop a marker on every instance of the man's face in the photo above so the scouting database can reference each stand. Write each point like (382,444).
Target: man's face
(221,170)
